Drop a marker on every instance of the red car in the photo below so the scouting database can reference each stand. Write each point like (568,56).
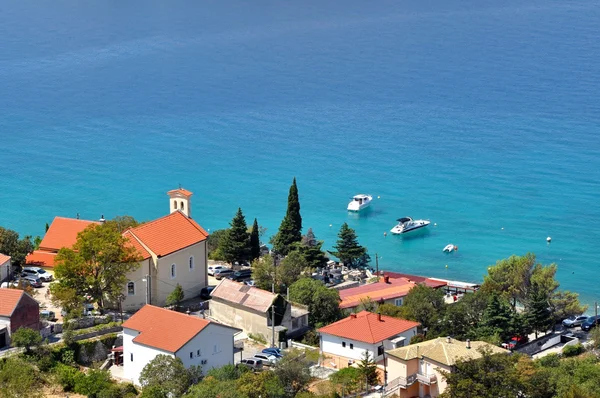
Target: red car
(517,341)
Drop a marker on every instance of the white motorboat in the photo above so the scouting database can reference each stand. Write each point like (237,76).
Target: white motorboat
(407,224)
(450,248)
(360,202)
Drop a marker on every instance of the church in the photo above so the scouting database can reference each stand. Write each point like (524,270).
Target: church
(173,250)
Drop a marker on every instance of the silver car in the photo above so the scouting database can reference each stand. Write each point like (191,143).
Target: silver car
(38,273)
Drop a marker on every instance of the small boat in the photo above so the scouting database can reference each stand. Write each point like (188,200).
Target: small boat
(407,224)
(359,202)
(450,248)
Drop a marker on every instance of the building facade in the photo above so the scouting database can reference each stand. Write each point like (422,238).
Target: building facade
(17,310)
(5,267)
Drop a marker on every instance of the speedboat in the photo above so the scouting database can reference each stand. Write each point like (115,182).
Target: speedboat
(450,248)
(360,202)
(407,224)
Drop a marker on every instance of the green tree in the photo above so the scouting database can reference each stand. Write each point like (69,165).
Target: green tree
(293,372)
(213,244)
(310,248)
(16,248)
(347,380)
(390,310)
(425,305)
(176,296)
(563,304)
(235,245)
(291,268)
(169,374)
(537,310)
(265,273)
(258,385)
(462,318)
(213,388)
(347,249)
(497,319)
(97,266)
(26,338)
(122,223)
(254,241)
(368,370)
(93,383)
(227,372)
(19,379)
(323,303)
(290,230)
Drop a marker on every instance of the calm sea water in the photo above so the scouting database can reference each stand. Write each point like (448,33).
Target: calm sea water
(480,116)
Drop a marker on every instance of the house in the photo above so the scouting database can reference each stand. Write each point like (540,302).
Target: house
(344,342)
(17,309)
(5,267)
(414,370)
(172,250)
(249,308)
(388,290)
(153,330)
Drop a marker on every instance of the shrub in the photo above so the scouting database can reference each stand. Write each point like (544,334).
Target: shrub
(417,338)
(258,338)
(572,350)
(65,376)
(26,338)
(93,383)
(311,338)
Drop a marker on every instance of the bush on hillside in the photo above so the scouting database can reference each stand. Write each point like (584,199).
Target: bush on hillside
(572,350)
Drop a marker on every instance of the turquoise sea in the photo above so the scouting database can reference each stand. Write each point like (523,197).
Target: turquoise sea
(482,116)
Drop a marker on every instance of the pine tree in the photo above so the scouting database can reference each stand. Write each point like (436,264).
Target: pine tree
(537,310)
(497,319)
(310,248)
(235,245)
(350,253)
(254,242)
(176,296)
(290,229)
(368,370)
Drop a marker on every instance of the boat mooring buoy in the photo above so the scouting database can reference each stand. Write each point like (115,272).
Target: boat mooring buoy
(330,225)
(378,197)
(384,234)
(446,265)
(548,239)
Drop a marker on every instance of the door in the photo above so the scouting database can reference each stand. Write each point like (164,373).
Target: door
(2,339)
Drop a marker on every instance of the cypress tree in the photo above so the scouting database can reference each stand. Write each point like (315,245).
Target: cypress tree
(254,242)
(350,253)
(235,245)
(290,229)
(293,210)
(310,248)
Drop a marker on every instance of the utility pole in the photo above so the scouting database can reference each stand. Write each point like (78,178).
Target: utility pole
(377,265)
(147,289)
(273,317)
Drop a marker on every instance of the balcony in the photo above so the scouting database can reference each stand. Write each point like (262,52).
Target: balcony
(426,379)
(401,382)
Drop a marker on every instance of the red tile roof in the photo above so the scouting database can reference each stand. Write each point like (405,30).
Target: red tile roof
(434,283)
(244,295)
(395,288)
(181,191)
(168,234)
(41,258)
(9,298)
(4,258)
(164,329)
(368,327)
(139,248)
(63,233)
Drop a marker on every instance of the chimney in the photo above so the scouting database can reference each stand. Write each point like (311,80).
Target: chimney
(468,344)
(386,279)
(448,340)
(379,316)
(353,315)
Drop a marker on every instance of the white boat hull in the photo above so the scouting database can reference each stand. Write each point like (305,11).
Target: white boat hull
(356,205)
(404,229)
(449,248)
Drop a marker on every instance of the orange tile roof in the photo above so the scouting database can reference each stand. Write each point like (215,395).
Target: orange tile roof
(133,241)
(41,258)
(367,327)
(164,329)
(182,191)
(4,258)
(168,234)
(397,287)
(63,233)
(244,295)
(9,298)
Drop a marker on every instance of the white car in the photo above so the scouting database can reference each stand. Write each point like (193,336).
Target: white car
(266,358)
(213,268)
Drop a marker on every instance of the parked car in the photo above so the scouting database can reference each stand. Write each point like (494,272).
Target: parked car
(574,321)
(213,268)
(252,363)
(249,282)
(48,315)
(591,322)
(276,352)
(241,275)
(37,272)
(266,358)
(33,281)
(222,273)
(517,341)
(205,292)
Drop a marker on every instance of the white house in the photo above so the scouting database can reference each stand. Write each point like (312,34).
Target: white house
(344,342)
(153,330)
(4,267)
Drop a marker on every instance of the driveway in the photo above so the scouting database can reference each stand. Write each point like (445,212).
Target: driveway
(43,297)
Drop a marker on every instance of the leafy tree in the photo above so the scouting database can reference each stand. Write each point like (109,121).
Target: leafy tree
(93,383)
(537,311)
(19,379)
(310,248)
(26,338)
(122,223)
(254,241)
(347,249)
(323,303)
(425,305)
(347,380)
(258,385)
(265,273)
(293,372)
(227,372)
(16,248)
(390,310)
(235,245)
(213,244)
(368,370)
(213,388)
(462,318)
(290,229)
(176,296)
(497,319)
(36,242)
(291,268)
(563,304)
(594,337)
(153,392)
(97,266)
(169,374)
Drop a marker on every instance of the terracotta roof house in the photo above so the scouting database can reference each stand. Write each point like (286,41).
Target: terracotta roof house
(172,250)
(5,267)
(344,342)
(388,290)
(17,309)
(152,331)
(414,370)
(249,308)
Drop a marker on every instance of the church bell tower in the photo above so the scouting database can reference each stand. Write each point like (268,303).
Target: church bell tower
(180,200)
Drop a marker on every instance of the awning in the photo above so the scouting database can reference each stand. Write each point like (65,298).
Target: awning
(398,339)
(117,349)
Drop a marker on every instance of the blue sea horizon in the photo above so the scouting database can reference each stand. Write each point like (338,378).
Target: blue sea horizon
(480,117)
